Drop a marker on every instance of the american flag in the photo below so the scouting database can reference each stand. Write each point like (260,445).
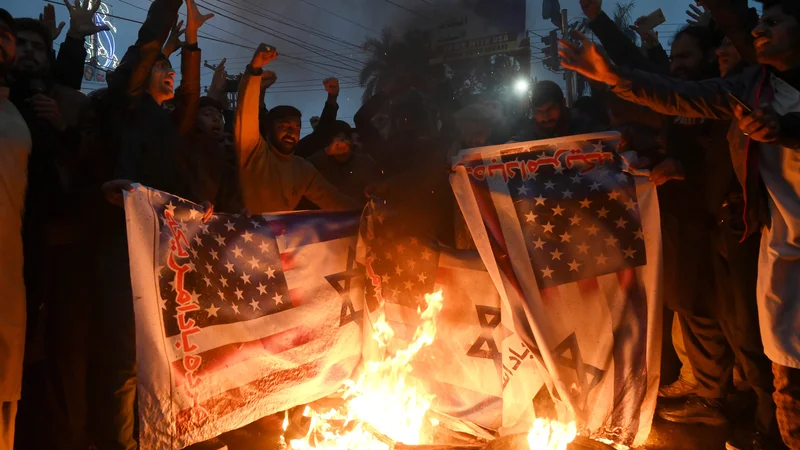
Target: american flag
(238,317)
(574,243)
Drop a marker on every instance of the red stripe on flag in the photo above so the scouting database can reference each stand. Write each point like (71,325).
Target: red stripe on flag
(297,298)
(277,227)
(549,294)
(589,287)
(287,261)
(228,355)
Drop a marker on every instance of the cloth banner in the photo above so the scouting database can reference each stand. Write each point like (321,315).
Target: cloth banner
(572,244)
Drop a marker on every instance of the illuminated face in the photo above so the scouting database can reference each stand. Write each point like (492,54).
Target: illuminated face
(286,134)
(8,48)
(776,38)
(162,81)
(548,115)
(686,58)
(31,53)
(340,147)
(727,57)
(210,122)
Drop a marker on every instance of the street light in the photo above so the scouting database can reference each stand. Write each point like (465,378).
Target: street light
(521,86)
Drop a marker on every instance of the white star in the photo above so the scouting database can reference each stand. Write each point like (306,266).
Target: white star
(549,185)
(191,267)
(531,217)
(204,228)
(254,263)
(411,263)
(254,305)
(575,220)
(220,240)
(388,256)
(577,178)
(622,177)
(598,148)
(247,236)
(409,285)
(573,266)
(398,270)
(193,213)
(163,303)
(400,249)
(262,289)
(583,248)
(171,209)
(237,252)
(193,252)
(255,224)
(548,228)
(212,311)
(385,278)
(611,241)
(235,308)
(539,200)
(593,230)
(195,297)
(245,278)
(426,255)
(547,273)
(264,247)
(621,223)
(586,203)
(565,237)
(224,281)
(207,280)
(214,254)
(422,277)
(270,272)
(198,239)
(522,190)
(629,253)
(559,170)
(221,295)
(613,195)
(230,226)
(538,243)
(603,212)
(567,194)
(239,293)
(601,260)
(639,235)
(558,210)
(556,255)
(630,205)
(595,186)
(229,266)
(278,299)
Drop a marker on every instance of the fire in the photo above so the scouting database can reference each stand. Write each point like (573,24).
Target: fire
(549,435)
(383,406)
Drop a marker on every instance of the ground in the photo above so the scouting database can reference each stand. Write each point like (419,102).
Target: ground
(671,436)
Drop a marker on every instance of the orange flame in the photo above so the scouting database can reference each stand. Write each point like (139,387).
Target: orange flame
(550,435)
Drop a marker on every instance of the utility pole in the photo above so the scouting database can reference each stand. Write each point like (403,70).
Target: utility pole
(569,76)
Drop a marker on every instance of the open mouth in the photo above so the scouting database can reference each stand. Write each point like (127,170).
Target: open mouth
(761,42)
(170,83)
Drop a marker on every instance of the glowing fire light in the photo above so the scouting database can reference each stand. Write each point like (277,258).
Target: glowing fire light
(383,401)
(549,435)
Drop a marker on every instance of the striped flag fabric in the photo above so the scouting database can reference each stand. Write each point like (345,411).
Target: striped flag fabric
(572,244)
(238,317)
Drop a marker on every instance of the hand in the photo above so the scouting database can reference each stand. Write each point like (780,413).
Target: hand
(46,108)
(81,19)
(587,60)
(331,86)
(268,78)
(763,125)
(669,169)
(592,8)
(113,191)
(194,20)
(48,19)
(263,56)
(219,79)
(698,16)
(174,40)
(649,37)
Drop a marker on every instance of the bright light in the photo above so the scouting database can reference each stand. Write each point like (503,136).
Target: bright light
(521,86)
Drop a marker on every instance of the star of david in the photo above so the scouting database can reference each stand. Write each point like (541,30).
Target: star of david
(341,282)
(485,346)
(575,362)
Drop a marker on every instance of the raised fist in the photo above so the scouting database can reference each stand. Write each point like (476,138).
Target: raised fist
(263,56)
(331,86)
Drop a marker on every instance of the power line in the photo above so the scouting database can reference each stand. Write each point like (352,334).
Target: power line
(340,17)
(407,9)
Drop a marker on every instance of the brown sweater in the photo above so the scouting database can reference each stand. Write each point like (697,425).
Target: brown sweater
(271,181)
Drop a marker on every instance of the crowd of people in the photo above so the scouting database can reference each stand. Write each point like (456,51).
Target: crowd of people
(716,121)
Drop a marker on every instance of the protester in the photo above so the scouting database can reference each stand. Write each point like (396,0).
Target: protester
(321,133)
(771,133)
(552,118)
(15,146)
(272,178)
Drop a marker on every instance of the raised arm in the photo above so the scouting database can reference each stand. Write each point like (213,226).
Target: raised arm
(187,97)
(316,140)
(68,69)
(246,130)
(736,20)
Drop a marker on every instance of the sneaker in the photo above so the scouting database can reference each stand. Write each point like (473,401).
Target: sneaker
(754,441)
(678,389)
(695,410)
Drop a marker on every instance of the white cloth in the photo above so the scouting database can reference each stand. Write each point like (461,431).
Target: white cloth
(779,260)
(15,146)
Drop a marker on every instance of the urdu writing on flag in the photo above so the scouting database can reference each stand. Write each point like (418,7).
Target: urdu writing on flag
(573,246)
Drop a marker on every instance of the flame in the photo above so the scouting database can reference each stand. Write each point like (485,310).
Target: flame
(550,435)
(383,406)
